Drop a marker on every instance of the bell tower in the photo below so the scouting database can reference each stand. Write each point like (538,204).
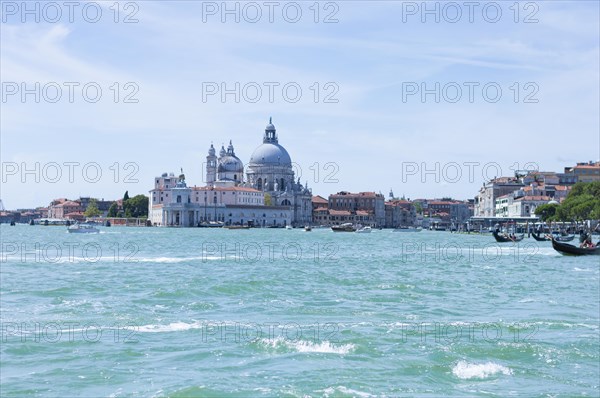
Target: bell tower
(211,166)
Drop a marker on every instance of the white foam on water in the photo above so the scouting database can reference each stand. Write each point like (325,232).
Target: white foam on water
(345,390)
(305,346)
(171,327)
(464,370)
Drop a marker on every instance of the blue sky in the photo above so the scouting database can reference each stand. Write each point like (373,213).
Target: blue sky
(371,139)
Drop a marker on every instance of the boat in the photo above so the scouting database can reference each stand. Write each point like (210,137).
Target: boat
(539,238)
(236,226)
(82,229)
(364,230)
(12,224)
(505,238)
(407,229)
(559,238)
(346,227)
(568,249)
(308,228)
(288,227)
(565,238)
(211,224)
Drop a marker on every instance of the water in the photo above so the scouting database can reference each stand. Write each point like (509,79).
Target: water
(199,312)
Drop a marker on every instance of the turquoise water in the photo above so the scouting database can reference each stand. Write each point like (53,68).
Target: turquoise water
(199,312)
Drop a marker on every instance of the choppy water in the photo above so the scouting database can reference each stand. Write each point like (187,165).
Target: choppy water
(197,312)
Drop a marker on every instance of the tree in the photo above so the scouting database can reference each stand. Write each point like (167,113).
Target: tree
(546,212)
(92,209)
(582,203)
(136,206)
(126,196)
(268,200)
(113,209)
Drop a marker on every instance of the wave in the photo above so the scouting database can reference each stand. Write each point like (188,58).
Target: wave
(305,346)
(464,370)
(335,391)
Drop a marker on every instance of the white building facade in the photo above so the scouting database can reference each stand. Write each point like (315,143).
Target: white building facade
(227,198)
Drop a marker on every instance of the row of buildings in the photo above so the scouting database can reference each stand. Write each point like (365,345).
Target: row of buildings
(266,194)
(518,197)
(61,208)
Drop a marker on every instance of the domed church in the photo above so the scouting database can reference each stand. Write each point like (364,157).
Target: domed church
(269,171)
(268,198)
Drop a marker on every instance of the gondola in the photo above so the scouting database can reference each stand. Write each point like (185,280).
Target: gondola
(566,248)
(504,238)
(539,238)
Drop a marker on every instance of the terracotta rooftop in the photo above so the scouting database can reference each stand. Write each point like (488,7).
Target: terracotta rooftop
(319,200)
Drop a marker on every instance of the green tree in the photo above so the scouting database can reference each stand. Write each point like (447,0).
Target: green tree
(546,212)
(126,196)
(582,203)
(92,209)
(268,200)
(113,210)
(136,206)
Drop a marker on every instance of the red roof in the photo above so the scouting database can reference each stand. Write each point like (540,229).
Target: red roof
(345,194)
(340,212)
(319,200)
(69,203)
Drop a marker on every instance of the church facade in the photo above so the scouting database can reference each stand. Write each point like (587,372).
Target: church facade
(269,196)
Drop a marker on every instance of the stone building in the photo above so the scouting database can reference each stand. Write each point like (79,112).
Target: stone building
(268,197)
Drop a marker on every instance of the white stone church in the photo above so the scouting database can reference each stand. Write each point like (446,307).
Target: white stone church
(231,200)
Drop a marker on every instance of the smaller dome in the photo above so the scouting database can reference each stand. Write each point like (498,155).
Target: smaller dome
(211,151)
(230,164)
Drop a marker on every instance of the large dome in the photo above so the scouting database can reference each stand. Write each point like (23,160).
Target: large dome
(270,154)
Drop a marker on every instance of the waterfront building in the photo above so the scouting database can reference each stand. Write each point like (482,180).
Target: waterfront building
(367,208)
(485,201)
(399,213)
(63,208)
(268,197)
(320,213)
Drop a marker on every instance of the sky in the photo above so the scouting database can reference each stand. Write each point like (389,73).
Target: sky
(427,99)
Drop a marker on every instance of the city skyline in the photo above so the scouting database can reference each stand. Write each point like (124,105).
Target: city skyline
(373,118)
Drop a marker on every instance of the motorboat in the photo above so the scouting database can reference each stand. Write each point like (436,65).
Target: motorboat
(308,228)
(78,228)
(364,230)
(346,227)
(288,227)
(211,224)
